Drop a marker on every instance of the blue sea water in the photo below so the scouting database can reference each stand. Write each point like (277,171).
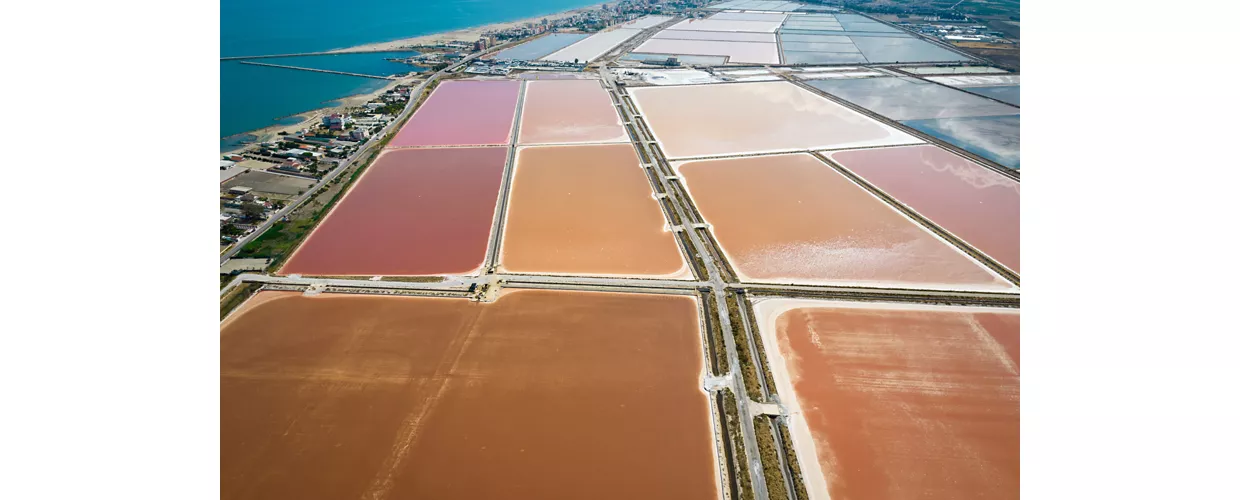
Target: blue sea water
(251,97)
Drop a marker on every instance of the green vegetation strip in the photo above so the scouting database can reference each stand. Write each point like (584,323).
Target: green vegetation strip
(699,265)
(738,446)
(793,465)
(748,371)
(236,296)
(725,267)
(775,487)
(737,301)
(414,279)
(715,332)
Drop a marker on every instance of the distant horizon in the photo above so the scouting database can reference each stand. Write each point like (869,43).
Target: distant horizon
(253,98)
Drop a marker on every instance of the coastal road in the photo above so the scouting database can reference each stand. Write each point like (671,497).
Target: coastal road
(361,153)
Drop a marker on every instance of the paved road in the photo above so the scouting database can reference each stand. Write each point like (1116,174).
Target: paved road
(717,284)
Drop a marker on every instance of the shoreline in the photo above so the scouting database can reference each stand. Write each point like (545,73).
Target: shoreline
(463,35)
(266,134)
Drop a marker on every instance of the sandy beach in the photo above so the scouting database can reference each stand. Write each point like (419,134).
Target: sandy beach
(267,134)
(463,35)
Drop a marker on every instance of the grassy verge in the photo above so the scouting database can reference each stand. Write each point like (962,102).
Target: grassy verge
(757,341)
(757,361)
(715,332)
(725,268)
(414,279)
(225,279)
(748,370)
(278,241)
(738,446)
(793,465)
(682,237)
(775,487)
(698,266)
(641,149)
(236,296)
(672,214)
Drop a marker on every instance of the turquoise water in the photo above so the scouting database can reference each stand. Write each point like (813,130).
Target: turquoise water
(251,97)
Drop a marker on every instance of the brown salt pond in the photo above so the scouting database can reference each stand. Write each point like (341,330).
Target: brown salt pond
(899,401)
(463,113)
(586,210)
(976,204)
(569,111)
(541,394)
(733,118)
(793,219)
(413,212)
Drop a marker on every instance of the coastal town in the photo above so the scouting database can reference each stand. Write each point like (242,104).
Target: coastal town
(264,177)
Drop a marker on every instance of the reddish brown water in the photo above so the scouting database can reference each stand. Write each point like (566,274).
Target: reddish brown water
(414,212)
(539,395)
(313,391)
(907,404)
(973,202)
(586,210)
(792,218)
(463,113)
(569,111)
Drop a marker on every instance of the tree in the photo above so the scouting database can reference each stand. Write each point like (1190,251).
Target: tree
(231,230)
(252,210)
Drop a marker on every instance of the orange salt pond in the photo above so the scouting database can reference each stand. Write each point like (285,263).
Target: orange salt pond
(586,210)
(539,395)
(898,401)
(793,219)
